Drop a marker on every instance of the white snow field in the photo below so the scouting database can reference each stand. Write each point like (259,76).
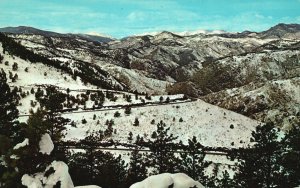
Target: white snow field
(209,123)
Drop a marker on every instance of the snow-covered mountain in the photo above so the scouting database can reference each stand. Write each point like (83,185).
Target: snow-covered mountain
(206,64)
(212,124)
(217,86)
(33,31)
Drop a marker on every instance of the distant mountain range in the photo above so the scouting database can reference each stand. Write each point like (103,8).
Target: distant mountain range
(252,73)
(278,31)
(31,30)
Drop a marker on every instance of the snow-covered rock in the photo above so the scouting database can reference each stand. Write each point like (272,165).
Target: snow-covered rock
(46,144)
(40,180)
(31,182)
(165,180)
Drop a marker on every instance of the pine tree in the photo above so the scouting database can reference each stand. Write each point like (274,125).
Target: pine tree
(117,114)
(10,133)
(128,98)
(258,165)
(9,126)
(192,161)
(130,138)
(161,156)
(127,110)
(15,66)
(52,103)
(136,122)
(226,181)
(97,168)
(137,168)
(167,99)
(36,126)
(161,98)
(291,157)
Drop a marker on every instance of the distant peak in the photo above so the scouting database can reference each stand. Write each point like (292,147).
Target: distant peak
(93,33)
(167,34)
(281,30)
(286,26)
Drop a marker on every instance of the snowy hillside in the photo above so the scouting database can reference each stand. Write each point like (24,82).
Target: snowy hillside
(160,59)
(214,87)
(38,74)
(209,123)
(276,101)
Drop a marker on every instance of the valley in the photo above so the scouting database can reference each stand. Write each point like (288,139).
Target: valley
(120,94)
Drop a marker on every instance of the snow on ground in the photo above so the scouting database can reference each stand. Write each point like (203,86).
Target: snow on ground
(166,180)
(212,125)
(137,80)
(36,74)
(219,163)
(264,65)
(209,123)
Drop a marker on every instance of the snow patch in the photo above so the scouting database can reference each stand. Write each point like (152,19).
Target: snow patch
(31,182)
(46,144)
(22,144)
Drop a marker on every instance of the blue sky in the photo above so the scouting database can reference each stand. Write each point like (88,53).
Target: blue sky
(120,18)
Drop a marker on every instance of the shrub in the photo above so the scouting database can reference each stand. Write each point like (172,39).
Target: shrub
(117,114)
(15,66)
(83,121)
(136,122)
(127,110)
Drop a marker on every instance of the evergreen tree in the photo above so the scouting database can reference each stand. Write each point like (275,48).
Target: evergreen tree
(136,122)
(291,157)
(97,168)
(10,132)
(52,103)
(137,168)
(226,181)
(161,156)
(130,136)
(258,165)
(117,114)
(161,98)
(109,130)
(9,126)
(128,98)
(30,159)
(192,161)
(167,99)
(15,66)
(127,110)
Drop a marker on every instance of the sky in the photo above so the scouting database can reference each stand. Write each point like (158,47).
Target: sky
(120,18)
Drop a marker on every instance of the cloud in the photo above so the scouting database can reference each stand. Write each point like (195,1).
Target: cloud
(136,16)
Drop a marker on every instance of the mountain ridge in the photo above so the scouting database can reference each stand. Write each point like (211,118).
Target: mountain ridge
(206,66)
(32,30)
(277,30)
